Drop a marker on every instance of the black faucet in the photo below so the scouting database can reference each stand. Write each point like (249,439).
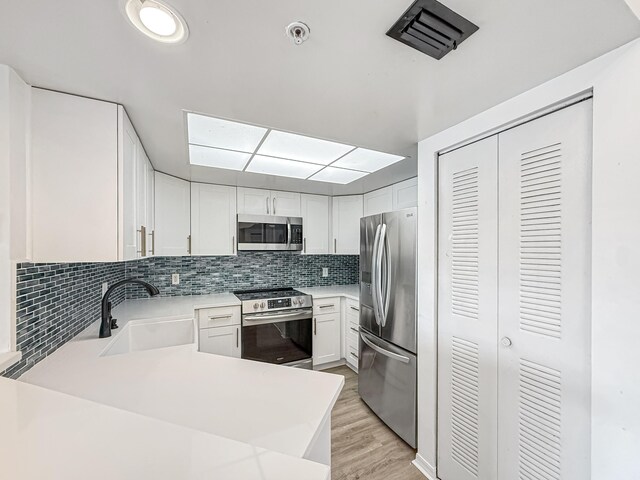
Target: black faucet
(107,322)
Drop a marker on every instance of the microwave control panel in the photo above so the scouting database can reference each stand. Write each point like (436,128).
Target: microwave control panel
(296,234)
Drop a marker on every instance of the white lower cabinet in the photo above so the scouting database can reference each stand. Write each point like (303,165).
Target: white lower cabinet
(351,324)
(220,331)
(327,326)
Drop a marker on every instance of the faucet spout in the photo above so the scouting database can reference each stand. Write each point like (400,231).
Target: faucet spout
(105,325)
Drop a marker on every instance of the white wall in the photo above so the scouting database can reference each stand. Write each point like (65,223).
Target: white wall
(14,202)
(615,81)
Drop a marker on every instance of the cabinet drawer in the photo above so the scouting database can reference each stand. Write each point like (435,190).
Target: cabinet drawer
(218,317)
(352,355)
(326,305)
(352,333)
(353,307)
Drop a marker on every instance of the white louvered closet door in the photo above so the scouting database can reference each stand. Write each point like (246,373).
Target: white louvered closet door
(544,301)
(467,319)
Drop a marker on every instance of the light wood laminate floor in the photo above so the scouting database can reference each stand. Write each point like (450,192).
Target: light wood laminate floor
(362,447)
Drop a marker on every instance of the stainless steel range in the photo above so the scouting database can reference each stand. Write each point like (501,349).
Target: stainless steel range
(277,326)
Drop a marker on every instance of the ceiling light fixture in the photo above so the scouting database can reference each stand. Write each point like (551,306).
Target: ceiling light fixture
(157,20)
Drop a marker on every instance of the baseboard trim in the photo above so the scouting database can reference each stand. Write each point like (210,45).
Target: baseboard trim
(425,467)
(325,366)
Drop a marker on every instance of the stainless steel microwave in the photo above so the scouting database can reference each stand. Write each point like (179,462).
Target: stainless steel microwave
(268,232)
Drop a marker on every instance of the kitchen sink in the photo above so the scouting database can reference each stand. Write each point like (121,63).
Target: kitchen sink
(147,335)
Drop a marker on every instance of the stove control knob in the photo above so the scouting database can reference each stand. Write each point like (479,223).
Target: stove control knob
(262,305)
(256,306)
(301,301)
(294,301)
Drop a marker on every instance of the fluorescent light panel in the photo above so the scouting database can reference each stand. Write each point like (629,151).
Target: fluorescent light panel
(301,148)
(337,175)
(366,160)
(282,167)
(215,132)
(215,157)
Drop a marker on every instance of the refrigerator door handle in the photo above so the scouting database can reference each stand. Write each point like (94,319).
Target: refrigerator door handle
(385,296)
(378,274)
(382,351)
(374,275)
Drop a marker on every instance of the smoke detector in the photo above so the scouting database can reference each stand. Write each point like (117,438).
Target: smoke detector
(298,32)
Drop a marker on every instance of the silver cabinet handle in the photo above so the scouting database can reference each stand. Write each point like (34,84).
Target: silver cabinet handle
(354,308)
(274,205)
(189,244)
(218,317)
(382,351)
(304,244)
(143,241)
(237,337)
(335,245)
(153,242)
(233,244)
(267,200)
(353,355)
(354,329)
(329,305)
(315,326)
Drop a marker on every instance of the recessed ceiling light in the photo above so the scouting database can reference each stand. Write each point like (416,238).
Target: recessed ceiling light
(218,158)
(282,167)
(216,132)
(337,175)
(367,160)
(305,149)
(157,20)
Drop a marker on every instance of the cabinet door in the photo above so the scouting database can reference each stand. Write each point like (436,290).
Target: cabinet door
(315,223)
(254,201)
(544,305)
(285,204)
(172,217)
(347,212)
(141,201)
(213,219)
(74,178)
(467,312)
(150,209)
(130,146)
(326,338)
(221,340)
(378,201)
(405,194)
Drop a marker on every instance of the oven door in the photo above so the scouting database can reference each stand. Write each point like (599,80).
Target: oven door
(268,232)
(283,338)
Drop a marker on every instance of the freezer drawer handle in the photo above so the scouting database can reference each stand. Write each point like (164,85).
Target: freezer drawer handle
(382,351)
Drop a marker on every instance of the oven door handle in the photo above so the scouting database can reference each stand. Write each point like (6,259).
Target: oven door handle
(277,316)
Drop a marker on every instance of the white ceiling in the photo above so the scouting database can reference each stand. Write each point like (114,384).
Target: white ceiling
(349,82)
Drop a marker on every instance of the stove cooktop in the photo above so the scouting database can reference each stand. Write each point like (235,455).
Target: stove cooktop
(267,293)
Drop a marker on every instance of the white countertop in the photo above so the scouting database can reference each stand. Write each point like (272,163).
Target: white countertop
(349,291)
(47,435)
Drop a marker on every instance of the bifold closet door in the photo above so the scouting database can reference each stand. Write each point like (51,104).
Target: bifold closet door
(467,312)
(544,297)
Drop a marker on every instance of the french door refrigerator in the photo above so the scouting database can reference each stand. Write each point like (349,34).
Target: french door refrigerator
(387,366)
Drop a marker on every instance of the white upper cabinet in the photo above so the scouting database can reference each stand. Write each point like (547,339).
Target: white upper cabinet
(213,219)
(315,223)
(137,192)
(267,202)
(172,218)
(405,194)
(150,208)
(347,212)
(378,201)
(74,175)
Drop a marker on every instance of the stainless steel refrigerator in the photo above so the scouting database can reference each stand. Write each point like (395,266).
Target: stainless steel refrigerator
(387,366)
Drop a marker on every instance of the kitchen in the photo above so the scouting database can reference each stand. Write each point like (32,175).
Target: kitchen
(208,273)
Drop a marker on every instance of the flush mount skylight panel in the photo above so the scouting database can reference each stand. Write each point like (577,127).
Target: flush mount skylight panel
(282,167)
(367,160)
(301,148)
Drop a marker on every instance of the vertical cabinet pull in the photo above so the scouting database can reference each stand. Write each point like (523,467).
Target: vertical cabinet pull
(304,244)
(143,241)
(335,245)
(237,337)
(274,205)
(315,326)
(189,244)
(267,200)
(153,243)
(233,244)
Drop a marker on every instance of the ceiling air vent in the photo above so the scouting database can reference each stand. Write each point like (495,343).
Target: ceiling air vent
(432,28)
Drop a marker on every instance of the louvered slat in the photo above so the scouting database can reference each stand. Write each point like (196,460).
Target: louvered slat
(540,240)
(464,404)
(464,241)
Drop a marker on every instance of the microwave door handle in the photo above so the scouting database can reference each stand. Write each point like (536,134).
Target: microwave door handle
(288,233)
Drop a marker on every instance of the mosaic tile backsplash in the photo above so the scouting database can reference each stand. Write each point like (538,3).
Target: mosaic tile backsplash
(57,301)
(247,270)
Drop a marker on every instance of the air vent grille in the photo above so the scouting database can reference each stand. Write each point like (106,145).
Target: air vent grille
(432,28)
